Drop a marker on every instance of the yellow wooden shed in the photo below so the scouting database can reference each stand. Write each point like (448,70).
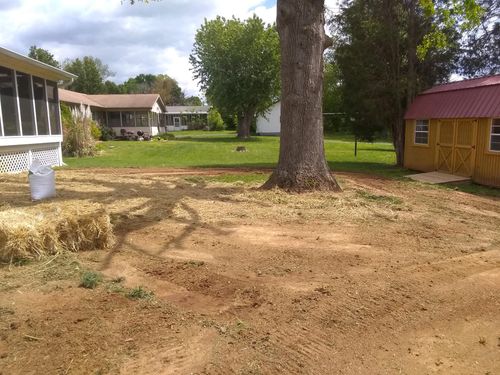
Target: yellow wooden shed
(455,128)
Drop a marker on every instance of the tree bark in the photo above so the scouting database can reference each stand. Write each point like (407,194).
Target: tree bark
(398,140)
(245,123)
(302,164)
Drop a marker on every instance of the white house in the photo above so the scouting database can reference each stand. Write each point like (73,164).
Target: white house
(186,117)
(30,122)
(138,112)
(270,122)
(131,112)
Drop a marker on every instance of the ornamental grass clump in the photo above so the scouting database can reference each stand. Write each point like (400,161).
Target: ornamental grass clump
(78,138)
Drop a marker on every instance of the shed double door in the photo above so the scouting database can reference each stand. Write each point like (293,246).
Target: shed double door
(456,147)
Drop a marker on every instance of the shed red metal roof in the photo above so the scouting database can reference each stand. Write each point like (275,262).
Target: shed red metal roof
(474,98)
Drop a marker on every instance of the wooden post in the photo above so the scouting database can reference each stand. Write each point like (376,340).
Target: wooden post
(355,145)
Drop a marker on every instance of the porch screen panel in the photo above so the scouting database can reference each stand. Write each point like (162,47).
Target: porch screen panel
(114,119)
(40,106)
(128,119)
(8,101)
(55,125)
(170,119)
(142,119)
(25,103)
(155,119)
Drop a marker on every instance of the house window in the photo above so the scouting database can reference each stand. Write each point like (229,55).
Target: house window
(8,102)
(495,135)
(422,132)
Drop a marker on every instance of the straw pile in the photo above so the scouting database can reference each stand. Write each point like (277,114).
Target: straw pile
(51,228)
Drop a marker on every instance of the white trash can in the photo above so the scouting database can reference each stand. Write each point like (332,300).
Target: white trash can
(42,181)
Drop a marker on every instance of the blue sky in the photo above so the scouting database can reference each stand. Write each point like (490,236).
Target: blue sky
(154,38)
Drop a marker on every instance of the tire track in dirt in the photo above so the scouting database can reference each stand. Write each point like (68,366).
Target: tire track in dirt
(182,356)
(300,350)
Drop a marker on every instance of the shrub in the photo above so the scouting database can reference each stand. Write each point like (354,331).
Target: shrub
(107,134)
(65,113)
(140,293)
(78,140)
(90,279)
(214,120)
(95,130)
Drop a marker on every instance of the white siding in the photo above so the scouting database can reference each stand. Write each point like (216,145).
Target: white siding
(172,128)
(270,123)
(156,108)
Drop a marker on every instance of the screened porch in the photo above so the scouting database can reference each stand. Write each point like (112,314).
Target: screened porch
(30,122)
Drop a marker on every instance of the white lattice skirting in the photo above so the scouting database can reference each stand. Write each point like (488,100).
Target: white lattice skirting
(18,159)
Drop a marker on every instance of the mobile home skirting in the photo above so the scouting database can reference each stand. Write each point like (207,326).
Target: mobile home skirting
(15,159)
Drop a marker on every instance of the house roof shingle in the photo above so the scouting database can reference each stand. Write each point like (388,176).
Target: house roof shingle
(187,109)
(76,98)
(112,101)
(126,100)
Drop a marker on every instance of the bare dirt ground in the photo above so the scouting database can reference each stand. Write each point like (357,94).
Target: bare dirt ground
(388,277)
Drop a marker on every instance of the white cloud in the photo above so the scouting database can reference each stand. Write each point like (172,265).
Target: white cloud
(144,38)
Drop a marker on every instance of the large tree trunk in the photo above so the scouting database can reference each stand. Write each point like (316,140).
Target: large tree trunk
(302,165)
(245,123)
(398,140)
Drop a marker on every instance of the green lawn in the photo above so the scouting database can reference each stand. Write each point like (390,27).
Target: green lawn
(217,149)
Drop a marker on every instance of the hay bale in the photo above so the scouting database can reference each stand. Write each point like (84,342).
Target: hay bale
(45,229)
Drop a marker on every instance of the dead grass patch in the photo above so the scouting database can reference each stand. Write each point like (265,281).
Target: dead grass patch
(49,228)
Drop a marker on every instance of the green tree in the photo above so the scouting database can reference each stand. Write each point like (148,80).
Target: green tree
(193,100)
(237,65)
(141,84)
(43,55)
(169,90)
(332,96)
(481,50)
(387,52)
(112,88)
(214,120)
(91,74)
(162,84)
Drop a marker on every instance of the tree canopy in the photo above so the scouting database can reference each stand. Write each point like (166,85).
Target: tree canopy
(43,55)
(91,73)
(388,51)
(481,51)
(237,64)
(193,100)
